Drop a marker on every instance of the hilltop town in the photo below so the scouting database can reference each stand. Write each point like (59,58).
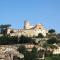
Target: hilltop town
(30,43)
(28,30)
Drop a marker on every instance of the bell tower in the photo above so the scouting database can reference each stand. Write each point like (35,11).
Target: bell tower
(26,24)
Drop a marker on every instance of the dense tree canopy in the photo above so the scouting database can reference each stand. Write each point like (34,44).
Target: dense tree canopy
(24,39)
(51,31)
(52,40)
(6,40)
(3,28)
(28,55)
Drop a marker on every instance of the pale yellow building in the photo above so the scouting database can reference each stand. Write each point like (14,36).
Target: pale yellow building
(28,30)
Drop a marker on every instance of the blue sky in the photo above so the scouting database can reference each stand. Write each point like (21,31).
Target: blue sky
(46,12)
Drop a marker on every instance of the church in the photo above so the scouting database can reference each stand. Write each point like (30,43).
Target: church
(28,30)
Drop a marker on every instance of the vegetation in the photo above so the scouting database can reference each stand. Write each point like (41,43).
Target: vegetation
(22,49)
(53,57)
(3,28)
(6,40)
(24,39)
(28,55)
(51,31)
(52,40)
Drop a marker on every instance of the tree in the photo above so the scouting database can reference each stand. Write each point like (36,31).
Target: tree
(52,40)
(34,53)
(27,54)
(4,28)
(24,39)
(53,57)
(51,31)
(31,55)
(22,49)
(50,44)
(6,40)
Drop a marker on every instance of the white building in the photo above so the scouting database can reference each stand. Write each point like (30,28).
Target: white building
(29,30)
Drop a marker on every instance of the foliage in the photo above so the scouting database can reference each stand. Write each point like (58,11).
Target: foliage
(3,28)
(5,40)
(22,49)
(34,53)
(52,40)
(28,55)
(14,40)
(24,39)
(51,31)
(49,46)
(53,57)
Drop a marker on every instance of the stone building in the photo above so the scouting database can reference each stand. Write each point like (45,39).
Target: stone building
(28,30)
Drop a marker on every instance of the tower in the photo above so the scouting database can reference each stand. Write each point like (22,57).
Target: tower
(26,24)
